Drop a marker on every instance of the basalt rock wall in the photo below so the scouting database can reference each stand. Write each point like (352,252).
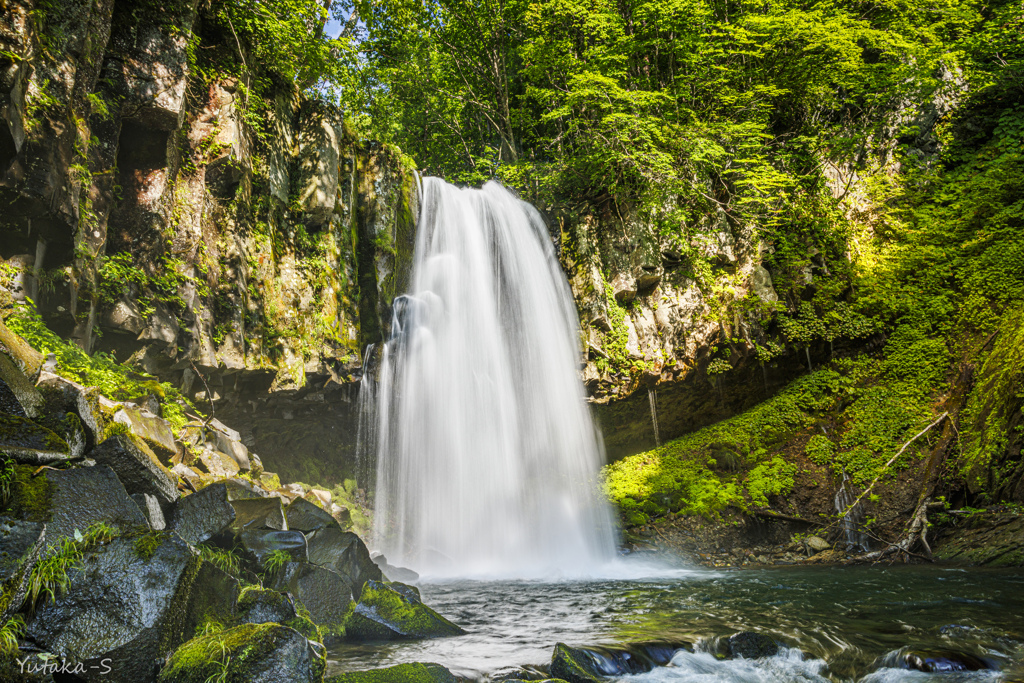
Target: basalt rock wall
(238,241)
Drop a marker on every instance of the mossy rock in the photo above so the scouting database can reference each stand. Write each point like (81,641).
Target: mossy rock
(265,606)
(250,653)
(575,665)
(325,594)
(137,467)
(30,443)
(28,360)
(19,394)
(20,545)
(69,427)
(29,498)
(64,396)
(403,673)
(384,613)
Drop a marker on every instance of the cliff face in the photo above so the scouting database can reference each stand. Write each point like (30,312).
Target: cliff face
(235,240)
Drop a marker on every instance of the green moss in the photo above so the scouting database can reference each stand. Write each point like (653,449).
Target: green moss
(379,604)
(820,450)
(403,673)
(29,495)
(146,544)
(306,627)
(206,657)
(115,428)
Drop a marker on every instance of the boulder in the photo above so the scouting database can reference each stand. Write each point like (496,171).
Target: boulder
(575,665)
(150,507)
(594,663)
(28,360)
(344,553)
(184,473)
(125,607)
(137,467)
(20,545)
(258,545)
(750,645)
(154,431)
(240,489)
(75,499)
(259,513)
(254,653)
(29,443)
(406,673)
(305,516)
(321,591)
(233,448)
(18,396)
(218,464)
(198,517)
(64,396)
(214,597)
(395,573)
(68,427)
(265,606)
(816,544)
(384,613)
(935,661)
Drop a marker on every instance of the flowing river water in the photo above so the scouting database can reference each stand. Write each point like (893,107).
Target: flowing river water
(835,623)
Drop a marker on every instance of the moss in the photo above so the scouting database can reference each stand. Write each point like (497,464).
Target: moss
(146,544)
(403,673)
(569,663)
(30,496)
(205,657)
(306,627)
(383,613)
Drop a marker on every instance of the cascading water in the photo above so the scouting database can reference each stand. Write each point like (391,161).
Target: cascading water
(852,515)
(487,455)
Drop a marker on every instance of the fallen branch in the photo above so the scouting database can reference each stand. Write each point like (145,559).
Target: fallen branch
(788,518)
(918,531)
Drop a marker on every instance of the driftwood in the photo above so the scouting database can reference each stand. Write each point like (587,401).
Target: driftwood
(917,532)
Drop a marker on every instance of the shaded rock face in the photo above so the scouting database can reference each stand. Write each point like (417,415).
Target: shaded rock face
(79,498)
(344,553)
(137,466)
(20,546)
(196,518)
(993,539)
(324,593)
(121,609)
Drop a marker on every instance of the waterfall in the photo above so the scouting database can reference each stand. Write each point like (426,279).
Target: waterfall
(366,420)
(487,456)
(852,519)
(652,399)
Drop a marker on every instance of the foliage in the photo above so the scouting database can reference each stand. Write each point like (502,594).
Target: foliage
(276,559)
(113,379)
(147,543)
(10,631)
(49,576)
(225,560)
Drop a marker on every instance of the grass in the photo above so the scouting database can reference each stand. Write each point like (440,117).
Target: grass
(225,560)
(11,630)
(50,575)
(276,560)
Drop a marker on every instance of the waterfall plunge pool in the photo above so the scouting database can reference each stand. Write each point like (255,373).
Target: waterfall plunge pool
(836,623)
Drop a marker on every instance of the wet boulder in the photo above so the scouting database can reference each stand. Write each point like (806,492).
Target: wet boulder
(255,653)
(20,545)
(137,467)
(384,613)
(18,396)
(29,443)
(594,662)
(323,593)
(394,573)
(264,606)
(258,545)
(150,507)
(74,499)
(258,513)
(198,517)
(935,661)
(154,431)
(407,673)
(750,645)
(68,427)
(64,396)
(125,607)
(345,553)
(305,516)
(213,597)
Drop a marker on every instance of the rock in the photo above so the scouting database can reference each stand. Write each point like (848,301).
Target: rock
(68,427)
(264,606)
(150,507)
(155,431)
(66,500)
(574,665)
(816,544)
(125,606)
(992,539)
(20,545)
(259,513)
(395,573)
(137,467)
(405,673)
(750,645)
(594,663)
(188,474)
(214,597)
(218,426)
(198,517)
(64,396)
(384,613)
(231,447)
(259,544)
(28,360)
(19,395)
(242,489)
(324,593)
(320,141)
(319,497)
(29,443)
(254,653)
(935,661)
(218,464)
(761,281)
(270,481)
(345,553)
(305,516)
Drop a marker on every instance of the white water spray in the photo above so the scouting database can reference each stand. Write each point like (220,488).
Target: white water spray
(487,456)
